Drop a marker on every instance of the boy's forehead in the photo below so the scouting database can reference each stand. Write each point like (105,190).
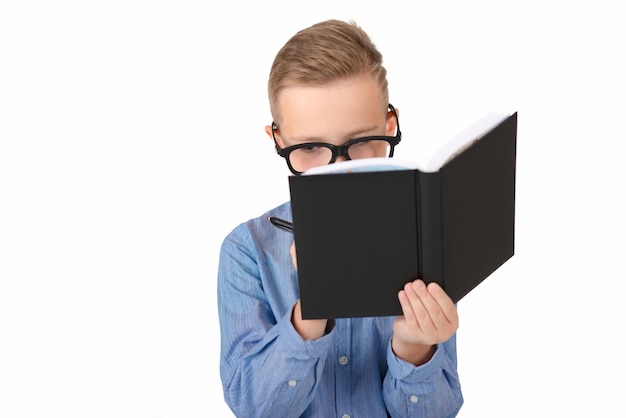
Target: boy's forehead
(311,113)
(354,101)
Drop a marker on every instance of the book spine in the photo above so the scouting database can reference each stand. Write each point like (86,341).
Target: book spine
(430,227)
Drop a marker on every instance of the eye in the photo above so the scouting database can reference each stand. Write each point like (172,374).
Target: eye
(360,144)
(310,148)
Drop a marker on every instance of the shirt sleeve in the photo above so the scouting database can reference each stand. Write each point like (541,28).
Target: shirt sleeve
(267,369)
(429,390)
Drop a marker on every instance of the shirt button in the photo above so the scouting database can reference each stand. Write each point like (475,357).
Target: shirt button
(292,383)
(413,398)
(345,416)
(343,360)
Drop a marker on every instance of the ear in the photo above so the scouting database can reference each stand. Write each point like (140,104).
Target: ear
(392,122)
(268,131)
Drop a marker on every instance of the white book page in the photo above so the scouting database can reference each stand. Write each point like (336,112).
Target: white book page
(363,165)
(440,157)
(463,140)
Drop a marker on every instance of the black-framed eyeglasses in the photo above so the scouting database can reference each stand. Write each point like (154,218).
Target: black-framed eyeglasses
(301,157)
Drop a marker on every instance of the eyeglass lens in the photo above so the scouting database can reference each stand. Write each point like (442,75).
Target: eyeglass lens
(302,159)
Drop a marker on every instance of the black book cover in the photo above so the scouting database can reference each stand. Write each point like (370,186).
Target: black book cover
(361,236)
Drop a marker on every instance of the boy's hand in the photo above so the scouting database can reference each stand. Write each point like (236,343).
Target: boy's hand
(292,251)
(309,329)
(429,317)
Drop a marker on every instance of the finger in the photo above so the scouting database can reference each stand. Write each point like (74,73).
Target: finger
(292,252)
(417,293)
(442,299)
(407,309)
(440,317)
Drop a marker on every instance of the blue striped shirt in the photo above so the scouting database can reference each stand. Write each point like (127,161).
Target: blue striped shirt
(268,370)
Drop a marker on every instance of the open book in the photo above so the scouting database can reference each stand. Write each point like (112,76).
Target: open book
(363,228)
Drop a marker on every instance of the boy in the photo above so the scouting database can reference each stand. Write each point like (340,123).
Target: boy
(327,91)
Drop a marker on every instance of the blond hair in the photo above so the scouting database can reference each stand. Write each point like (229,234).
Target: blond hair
(325,52)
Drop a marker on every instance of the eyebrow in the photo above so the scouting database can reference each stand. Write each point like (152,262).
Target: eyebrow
(352,135)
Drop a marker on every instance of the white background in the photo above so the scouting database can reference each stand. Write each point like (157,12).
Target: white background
(132,142)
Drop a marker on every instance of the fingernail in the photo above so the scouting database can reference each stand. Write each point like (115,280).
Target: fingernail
(418,284)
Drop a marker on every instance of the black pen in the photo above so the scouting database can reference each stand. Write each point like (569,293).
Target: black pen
(281,223)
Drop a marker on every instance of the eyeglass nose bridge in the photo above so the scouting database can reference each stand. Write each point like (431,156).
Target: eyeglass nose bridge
(340,151)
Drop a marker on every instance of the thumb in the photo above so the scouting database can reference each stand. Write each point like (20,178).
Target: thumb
(292,251)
